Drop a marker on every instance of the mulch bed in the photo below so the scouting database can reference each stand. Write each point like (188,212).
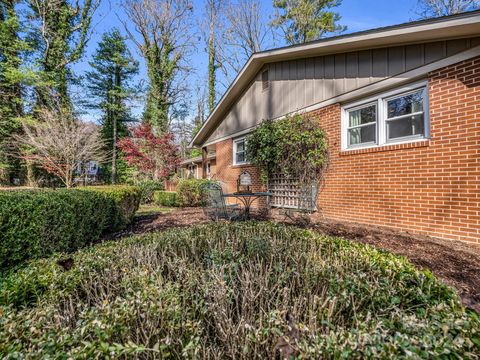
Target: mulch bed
(456,263)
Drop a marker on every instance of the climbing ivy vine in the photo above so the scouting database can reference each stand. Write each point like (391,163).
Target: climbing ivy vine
(294,146)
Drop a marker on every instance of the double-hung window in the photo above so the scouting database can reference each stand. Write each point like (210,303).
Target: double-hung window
(397,116)
(405,117)
(362,125)
(239,151)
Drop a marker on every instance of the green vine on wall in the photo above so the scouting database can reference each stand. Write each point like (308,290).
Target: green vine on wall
(294,146)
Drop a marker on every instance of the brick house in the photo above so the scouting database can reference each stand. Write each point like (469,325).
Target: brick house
(401,109)
(193,167)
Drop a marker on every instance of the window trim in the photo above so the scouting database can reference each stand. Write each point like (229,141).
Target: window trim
(348,127)
(381,100)
(208,169)
(234,148)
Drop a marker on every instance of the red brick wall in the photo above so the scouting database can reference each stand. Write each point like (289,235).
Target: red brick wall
(228,174)
(431,187)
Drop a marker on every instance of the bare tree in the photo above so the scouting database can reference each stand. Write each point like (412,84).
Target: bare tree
(165,29)
(246,33)
(60,144)
(435,8)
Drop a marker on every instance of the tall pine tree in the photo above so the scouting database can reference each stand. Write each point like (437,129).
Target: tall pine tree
(306,20)
(12,76)
(110,84)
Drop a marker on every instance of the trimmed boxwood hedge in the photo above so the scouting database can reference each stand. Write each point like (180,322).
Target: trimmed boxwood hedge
(147,189)
(127,200)
(165,198)
(36,223)
(189,191)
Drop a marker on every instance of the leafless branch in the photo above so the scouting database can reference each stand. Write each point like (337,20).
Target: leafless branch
(435,8)
(59,143)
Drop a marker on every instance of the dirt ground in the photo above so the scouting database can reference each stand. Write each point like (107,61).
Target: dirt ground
(457,264)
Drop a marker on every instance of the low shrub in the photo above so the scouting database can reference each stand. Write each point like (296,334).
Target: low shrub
(189,191)
(165,198)
(36,223)
(147,189)
(127,200)
(239,290)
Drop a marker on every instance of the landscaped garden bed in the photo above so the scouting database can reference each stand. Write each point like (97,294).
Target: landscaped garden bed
(241,290)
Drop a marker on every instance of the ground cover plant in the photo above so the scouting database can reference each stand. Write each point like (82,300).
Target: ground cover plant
(36,223)
(241,290)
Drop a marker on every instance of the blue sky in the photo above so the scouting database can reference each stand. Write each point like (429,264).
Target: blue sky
(357,15)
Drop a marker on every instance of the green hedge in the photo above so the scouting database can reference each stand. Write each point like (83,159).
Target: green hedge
(147,188)
(127,200)
(36,223)
(165,198)
(189,191)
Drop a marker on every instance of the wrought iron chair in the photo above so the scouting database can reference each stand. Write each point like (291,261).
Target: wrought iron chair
(214,206)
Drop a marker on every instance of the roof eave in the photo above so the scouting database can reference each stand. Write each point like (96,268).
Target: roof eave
(462,25)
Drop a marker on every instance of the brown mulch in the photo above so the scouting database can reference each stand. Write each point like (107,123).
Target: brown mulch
(456,263)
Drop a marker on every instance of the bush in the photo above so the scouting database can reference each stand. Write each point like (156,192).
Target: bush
(294,146)
(235,290)
(165,198)
(127,200)
(36,223)
(147,188)
(189,191)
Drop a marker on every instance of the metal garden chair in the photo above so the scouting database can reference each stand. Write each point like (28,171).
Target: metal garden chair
(213,203)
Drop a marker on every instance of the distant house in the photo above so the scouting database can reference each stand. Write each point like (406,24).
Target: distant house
(401,109)
(87,173)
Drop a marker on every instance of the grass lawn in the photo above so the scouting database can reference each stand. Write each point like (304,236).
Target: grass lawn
(152,209)
(241,290)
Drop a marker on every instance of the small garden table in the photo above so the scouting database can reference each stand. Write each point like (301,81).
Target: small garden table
(247,199)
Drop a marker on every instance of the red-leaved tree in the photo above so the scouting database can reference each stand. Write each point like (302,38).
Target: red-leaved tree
(154,156)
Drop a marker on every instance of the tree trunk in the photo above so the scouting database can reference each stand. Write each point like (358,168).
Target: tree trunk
(114,152)
(211,68)
(31,181)
(4,178)
(115,115)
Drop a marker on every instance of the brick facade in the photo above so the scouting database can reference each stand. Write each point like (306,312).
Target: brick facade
(430,187)
(228,174)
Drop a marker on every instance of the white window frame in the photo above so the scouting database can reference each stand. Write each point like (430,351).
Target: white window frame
(381,101)
(235,142)
(208,169)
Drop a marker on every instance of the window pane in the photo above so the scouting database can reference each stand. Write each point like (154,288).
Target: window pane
(362,135)
(240,157)
(240,146)
(407,126)
(362,116)
(406,104)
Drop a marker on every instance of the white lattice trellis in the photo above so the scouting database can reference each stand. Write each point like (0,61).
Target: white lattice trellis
(286,193)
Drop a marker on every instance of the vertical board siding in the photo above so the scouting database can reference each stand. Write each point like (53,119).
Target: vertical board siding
(296,84)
